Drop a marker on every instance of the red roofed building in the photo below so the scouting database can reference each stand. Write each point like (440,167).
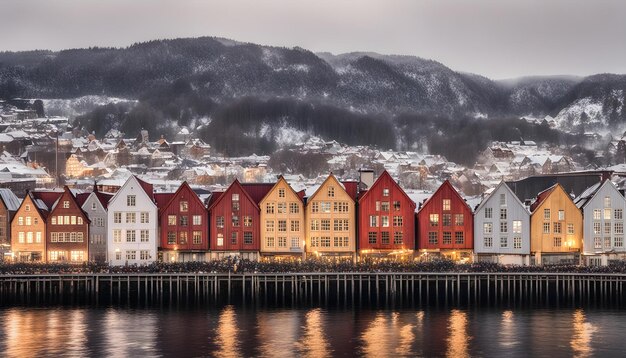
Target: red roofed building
(235,220)
(446,226)
(386,220)
(67,230)
(184,229)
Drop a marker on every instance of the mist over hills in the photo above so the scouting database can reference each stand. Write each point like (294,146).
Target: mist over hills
(198,82)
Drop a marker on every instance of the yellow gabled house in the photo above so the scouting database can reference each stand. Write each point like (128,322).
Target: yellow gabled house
(556,228)
(282,222)
(331,220)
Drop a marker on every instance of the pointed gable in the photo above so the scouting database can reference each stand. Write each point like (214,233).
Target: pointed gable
(502,184)
(385,176)
(331,179)
(282,181)
(446,185)
(236,184)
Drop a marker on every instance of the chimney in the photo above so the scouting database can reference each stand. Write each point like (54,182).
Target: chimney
(366,176)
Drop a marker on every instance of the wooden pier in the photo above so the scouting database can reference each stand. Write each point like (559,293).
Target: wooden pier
(314,288)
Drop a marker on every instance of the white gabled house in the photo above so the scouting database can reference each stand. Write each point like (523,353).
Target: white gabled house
(502,228)
(132,233)
(603,209)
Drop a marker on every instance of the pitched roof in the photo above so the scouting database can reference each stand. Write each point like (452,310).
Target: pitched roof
(183,186)
(502,183)
(147,187)
(343,187)
(541,197)
(386,174)
(352,188)
(47,197)
(299,194)
(586,196)
(444,184)
(162,199)
(10,200)
(257,191)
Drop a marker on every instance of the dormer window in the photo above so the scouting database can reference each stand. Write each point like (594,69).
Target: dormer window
(130,200)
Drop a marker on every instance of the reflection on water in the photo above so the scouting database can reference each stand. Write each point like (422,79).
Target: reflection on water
(233,331)
(457,334)
(581,339)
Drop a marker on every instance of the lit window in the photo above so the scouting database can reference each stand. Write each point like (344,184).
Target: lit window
(130,200)
(184,206)
(446,204)
(66,204)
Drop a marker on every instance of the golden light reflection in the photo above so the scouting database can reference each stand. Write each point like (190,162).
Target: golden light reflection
(375,342)
(406,340)
(277,333)
(77,326)
(583,332)
(457,335)
(227,334)
(508,336)
(313,343)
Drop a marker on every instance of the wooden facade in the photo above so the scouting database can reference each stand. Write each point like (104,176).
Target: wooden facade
(184,226)
(28,231)
(446,225)
(9,203)
(282,221)
(556,226)
(67,231)
(386,220)
(331,221)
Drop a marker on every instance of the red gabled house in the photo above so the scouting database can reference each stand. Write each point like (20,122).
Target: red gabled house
(183,224)
(386,220)
(445,226)
(235,220)
(67,230)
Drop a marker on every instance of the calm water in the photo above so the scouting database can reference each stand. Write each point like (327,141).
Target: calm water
(233,331)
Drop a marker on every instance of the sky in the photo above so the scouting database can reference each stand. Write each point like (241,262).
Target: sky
(495,38)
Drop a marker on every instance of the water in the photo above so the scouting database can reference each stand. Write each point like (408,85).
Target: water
(234,331)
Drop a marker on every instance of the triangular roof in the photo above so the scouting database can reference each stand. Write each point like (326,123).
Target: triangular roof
(47,197)
(331,175)
(243,190)
(541,197)
(40,206)
(444,184)
(585,198)
(282,179)
(382,175)
(146,187)
(10,200)
(486,199)
(172,196)
(67,190)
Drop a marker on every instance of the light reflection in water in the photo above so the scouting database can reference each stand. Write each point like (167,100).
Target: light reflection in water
(129,335)
(583,332)
(508,336)
(226,337)
(374,338)
(458,339)
(277,333)
(313,342)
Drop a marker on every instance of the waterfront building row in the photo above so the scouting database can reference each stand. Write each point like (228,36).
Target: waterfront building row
(337,219)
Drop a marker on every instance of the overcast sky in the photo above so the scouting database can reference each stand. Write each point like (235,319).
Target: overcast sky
(498,39)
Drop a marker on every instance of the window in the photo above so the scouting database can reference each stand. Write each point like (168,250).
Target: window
(282,208)
(504,227)
(546,228)
(131,254)
(28,221)
(597,214)
(434,219)
(378,206)
(171,238)
(20,220)
(561,215)
(607,214)
(27,207)
(447,238)
(325,224)
(117,218)
(295,242)
(459,237)
(546,214)
(556,227)
(557,242)
(66,218)
(184,206)
(396,205)
(458,219)
(325,241)
(502,214)
(197,220)
(38,237)
(247,221)
(397,238)
(340,206)
(144,217)
(118,255)
(607,242)
(269,225)
(66,204)
(325,206)
(59,220)
(21,237)
(432,237)
(184,220)
(144,255)
(182,237)
(488,242)
(488,213)
(130,235)
(331,191)
(294,208)
(281,193)
(54,237)
(79,237)
(340,224)
(269,208)
(517,226)
(570,229)
(607,228)
(371,237)
(73,219)
(397,221)
(384,220)
(78,219)
(282,225)
(130,200)
(487,228)
(93,206)
(517,242)
(219,221)
(235,221)
(607,201)
(504,242)
(269,241)
(315,225)
(220,239)
(373,221)
(54,220)
(235,202)
(597,229)
(618,214)
(295,225)
(130,218)
(247,238)
(233,238)
(315,241)
(315,207)
(384,206)
(502,199)
(619,241)
(197,237)
(447,220)
(384,237)
(117,235)
(446,204)
(385,191)
(144,235)
(619,227)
